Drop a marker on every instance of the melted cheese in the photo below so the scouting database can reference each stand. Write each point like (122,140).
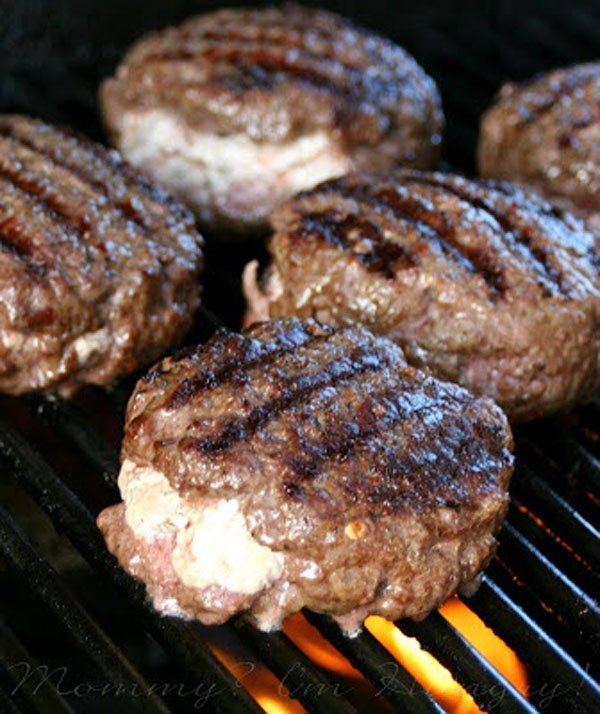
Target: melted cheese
(90,344)
(213,545)
(232,176)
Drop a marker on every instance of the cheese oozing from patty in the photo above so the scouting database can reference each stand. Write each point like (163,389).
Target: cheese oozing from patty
(213,546)
(91,344)
(232,177)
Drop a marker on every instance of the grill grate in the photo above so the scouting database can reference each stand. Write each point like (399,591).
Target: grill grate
(61,459)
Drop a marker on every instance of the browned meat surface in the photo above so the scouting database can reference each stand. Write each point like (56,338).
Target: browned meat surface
(545,133)
(294,466)
(237,109)
(477,281)
(98,267)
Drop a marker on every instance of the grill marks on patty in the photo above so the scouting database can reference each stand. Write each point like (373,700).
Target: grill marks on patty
(369,437)
(102,177)
(413,209)
(320,402)
(39,195)
(101,188)
(98,264)
(265,64)
(360,237)
(543,133)
(291,393)
(39,224)
(16,243)
(67,200)
(57,220)
(293,37)
(536,254)
(358,434)
(243,354)
(363,76)
(391,225)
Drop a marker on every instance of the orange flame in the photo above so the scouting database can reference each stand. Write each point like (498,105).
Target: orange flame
(261,683)
(316,647)
(321,652)
(495,650)
(274,698)
(434,677)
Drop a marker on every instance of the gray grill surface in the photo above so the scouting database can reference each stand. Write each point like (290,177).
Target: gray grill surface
(64,603)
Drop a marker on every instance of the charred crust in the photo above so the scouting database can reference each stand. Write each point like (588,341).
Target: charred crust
(519,231)
(363,76)
(241,354)
(292,392)
(359,237)
(434,224)
(367,217)
(337,418)
(15,242)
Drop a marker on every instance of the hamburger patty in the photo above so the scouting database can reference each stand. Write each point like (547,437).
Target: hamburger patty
(545,133)
(293,465)
(98,267)
(480,282)
(238,109)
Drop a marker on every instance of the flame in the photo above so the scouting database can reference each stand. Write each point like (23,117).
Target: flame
(274,698)
(424,667)
(495,650)
(307,638)
(432,675)
(260,682)
(361,693)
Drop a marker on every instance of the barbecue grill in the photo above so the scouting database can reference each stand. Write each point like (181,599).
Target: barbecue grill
(75,631)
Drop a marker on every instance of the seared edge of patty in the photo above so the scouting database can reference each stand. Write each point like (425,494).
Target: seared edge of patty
(486,284)
(545,133)
(381,486)
(99,267)
(280,73)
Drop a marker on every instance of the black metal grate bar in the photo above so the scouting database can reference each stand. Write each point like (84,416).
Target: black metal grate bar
(558,515)
(515,587)
(71,517)
(71,423)
(557,551)
(12,654)
(485,684)
(84,631)
(294,668)
(579,611)
(373,661)
(546,661)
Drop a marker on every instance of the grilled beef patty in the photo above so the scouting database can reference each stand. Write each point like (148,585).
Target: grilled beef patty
(98,267)
(480,282)
(294,466)
(545,133)
(238,109)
